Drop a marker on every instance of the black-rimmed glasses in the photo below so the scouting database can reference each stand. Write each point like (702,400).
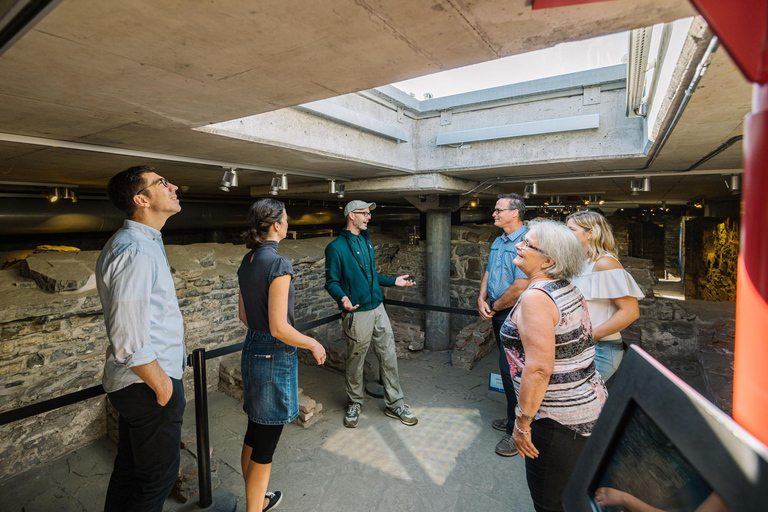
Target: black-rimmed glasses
(499,210)
(364,214)
(162,181)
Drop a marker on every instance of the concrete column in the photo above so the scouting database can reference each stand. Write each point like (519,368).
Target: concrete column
(438,333)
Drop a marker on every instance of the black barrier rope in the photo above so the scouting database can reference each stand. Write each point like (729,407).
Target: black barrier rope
(92,392)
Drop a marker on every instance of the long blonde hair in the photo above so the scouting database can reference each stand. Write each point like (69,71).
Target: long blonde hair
(601,243)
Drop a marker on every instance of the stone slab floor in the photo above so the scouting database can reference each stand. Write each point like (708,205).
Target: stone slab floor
(445,463)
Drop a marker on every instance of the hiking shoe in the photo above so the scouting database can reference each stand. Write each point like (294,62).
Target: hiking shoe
(506,447)
(500,424)
(353,415)
(402,413)
(274,500)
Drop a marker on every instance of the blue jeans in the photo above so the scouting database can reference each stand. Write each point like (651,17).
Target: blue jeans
(506,378)
(270,379)
(608,356)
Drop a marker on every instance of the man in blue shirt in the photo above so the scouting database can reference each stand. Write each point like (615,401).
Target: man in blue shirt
(500,288)
(146,355)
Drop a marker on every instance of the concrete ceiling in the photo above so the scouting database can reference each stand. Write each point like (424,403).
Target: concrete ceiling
(140,75)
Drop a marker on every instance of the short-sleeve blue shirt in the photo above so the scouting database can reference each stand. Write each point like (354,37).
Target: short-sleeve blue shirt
(501,271)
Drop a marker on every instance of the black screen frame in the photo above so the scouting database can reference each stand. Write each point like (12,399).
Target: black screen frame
(732,461)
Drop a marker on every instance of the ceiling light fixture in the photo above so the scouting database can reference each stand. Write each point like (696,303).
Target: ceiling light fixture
(635,187)
(274,187)
(735,184)
(534,188)
(646,184)
(283,182)
(228,180)
(53,196)
(527,191)
(340,190)
(332,186)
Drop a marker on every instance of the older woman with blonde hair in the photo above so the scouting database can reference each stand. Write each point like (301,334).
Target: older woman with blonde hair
(547,339)
(610,291)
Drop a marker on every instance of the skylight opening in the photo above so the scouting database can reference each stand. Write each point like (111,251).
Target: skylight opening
(559,60)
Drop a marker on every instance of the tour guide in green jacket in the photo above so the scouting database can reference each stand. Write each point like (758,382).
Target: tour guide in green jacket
(352,281)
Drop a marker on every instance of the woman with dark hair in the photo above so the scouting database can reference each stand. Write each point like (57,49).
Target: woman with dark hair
(269,362)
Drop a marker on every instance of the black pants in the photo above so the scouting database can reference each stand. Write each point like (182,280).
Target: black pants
(147,461)
(559,449)
(506,379)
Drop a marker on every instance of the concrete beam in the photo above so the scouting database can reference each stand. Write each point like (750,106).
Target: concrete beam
(412,185)
(330,110)
(563,124)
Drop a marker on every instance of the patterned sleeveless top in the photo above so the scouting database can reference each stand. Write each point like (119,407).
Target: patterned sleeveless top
(575,394)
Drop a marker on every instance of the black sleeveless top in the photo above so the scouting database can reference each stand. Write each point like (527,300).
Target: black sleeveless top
(256,276)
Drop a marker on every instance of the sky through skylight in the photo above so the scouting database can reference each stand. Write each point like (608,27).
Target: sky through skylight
(558,60)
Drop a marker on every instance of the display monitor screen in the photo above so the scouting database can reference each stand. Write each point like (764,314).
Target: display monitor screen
(645,471)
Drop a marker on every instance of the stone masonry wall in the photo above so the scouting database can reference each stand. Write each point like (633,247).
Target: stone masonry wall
(711,258)
(53,339)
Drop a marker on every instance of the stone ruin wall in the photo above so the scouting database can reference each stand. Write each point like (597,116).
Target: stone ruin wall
(52,335)
(711,259)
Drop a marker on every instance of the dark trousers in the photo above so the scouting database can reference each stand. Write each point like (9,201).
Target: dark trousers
(559,449)
(506,379)
(148,455)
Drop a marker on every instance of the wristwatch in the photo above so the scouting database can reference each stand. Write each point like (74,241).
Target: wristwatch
(491,304)
(520,414)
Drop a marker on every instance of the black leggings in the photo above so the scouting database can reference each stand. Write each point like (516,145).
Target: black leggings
(559,449)
(262,439)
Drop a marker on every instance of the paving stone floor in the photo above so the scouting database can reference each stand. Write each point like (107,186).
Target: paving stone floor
(445,463)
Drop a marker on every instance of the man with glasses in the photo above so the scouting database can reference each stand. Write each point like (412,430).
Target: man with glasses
(500,288)
(146,355)
(351,279)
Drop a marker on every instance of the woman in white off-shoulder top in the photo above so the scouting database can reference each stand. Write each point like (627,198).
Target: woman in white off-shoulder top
(610,291)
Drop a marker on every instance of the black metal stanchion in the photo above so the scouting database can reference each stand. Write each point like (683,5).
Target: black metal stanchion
(225,501)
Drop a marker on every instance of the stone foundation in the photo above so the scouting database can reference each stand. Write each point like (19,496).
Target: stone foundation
(473,343)
(52,336)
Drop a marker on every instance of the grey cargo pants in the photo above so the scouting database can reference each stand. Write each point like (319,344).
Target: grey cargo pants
(361,329)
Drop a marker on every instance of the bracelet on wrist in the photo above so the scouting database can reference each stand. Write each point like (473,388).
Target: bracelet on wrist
(524,432)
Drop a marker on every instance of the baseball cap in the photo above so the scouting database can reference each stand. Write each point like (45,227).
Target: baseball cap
(357,205)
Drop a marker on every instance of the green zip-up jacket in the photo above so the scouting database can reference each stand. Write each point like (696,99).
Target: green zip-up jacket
(344,277)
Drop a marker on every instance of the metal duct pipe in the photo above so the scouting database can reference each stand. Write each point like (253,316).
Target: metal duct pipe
(23,217)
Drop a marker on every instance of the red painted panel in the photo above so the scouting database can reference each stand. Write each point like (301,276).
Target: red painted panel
(742,26)
(549,4)
(750,385)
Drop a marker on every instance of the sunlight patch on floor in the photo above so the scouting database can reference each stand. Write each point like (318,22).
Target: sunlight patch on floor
(366,445)
(441,435)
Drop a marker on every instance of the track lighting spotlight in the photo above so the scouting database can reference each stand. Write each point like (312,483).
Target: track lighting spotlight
(73,196)
(527,191)
(283,182)
(635,187)
(274,187)
(228,180)
(54,196)
(534,188)
(332,187)
(600,200)
(340,190)
(646,184)
(735,184)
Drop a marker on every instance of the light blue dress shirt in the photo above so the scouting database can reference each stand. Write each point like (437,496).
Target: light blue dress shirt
(141,310)
(501,271)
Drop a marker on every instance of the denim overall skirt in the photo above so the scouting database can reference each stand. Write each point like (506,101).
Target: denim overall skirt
(270,379)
